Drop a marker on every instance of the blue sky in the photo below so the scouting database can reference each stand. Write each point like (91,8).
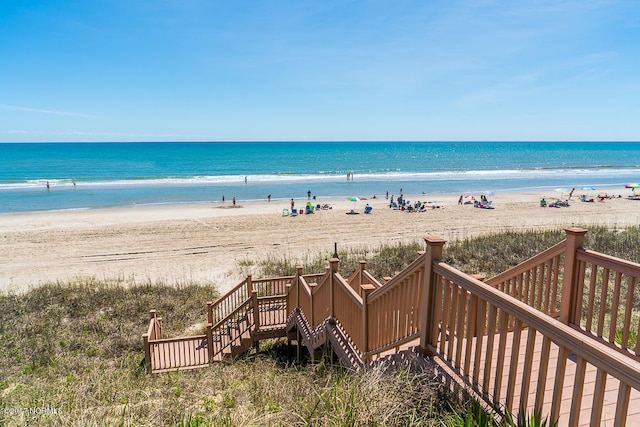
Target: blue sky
(209,70)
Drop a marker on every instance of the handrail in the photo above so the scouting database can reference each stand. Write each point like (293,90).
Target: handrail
(228,300)
(151,329)
(348,289)
(409,270)
(305,286)
(322,282)
(538,259)
(371,280)
(231,291)
(607,261)
(603,308)
(234,312)
(179,339)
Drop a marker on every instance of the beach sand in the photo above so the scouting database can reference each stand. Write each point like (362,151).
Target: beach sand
(215,243)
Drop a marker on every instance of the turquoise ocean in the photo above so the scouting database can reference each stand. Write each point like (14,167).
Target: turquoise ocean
(161,173)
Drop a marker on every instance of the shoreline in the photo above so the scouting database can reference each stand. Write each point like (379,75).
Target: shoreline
(216,243)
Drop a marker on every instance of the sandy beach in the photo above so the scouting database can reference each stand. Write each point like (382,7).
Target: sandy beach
(212,242)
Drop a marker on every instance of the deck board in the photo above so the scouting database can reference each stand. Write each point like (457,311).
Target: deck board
(611,386)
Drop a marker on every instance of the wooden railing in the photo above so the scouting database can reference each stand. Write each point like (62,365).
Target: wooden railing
(230,320)
(270,287)
(233,299)
(178,353)
(163,354)
(230,330)
(536,282)
(517,339)
(608,300)
(394,311)
(362,277)
(272,311)
(347,308)
(320,299)
(490,363)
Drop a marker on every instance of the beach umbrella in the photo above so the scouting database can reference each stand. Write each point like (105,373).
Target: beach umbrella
(488,193)
(632,186)
(354,199)
(588,189)
(562,190)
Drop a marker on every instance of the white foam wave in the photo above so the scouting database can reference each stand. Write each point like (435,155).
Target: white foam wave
(276,179)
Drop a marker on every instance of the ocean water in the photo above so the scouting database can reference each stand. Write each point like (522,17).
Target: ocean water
(134,174)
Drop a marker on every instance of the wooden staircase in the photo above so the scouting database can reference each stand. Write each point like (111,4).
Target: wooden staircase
(535,338)
(246,323)
(328,335)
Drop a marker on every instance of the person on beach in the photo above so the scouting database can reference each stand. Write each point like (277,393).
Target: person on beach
(269,198)
(309,195)
(292,204)
(223,198)
(460,200)
(245,179)
(48,187)
(234,200)
(571,193)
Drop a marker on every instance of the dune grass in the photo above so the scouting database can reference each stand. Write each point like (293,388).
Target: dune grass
(489,255)
(72,354)
(75,350)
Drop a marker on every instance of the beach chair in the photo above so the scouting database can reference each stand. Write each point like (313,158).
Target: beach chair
(368,209)
(285,212)
(308,210)
(294,212)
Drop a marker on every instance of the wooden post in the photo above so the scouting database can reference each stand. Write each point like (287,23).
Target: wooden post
(249,285)
(289,287)
(147,353)
(334,262)
(210,341)
(363,264)
(298,275)
(210,312)
(365,291)
(256,309)
(154,333)
(312,287)
(434,252)
(256,317)
(575,239)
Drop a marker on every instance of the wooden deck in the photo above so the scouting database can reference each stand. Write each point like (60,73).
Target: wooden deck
(590,378)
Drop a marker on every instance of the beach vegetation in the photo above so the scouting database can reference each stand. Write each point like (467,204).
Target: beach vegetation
(76,349)
(489,254)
